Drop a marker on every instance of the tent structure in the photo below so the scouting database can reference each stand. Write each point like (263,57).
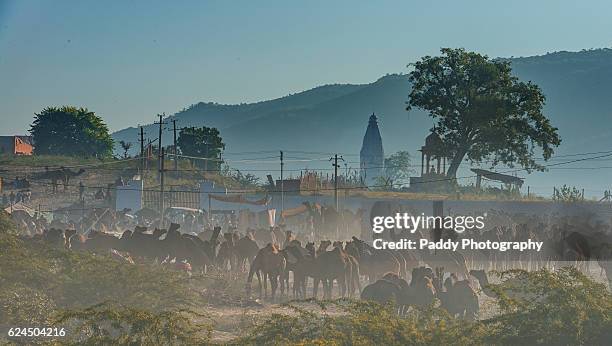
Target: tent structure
(504,178)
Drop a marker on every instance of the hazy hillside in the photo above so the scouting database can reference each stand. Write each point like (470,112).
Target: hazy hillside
(333,118)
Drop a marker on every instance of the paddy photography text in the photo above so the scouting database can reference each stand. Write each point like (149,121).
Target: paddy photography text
(403,222)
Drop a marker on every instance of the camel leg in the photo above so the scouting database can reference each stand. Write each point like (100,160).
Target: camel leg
(304,283)
(259,282)
(274,285)
(315,287)
(330,288)
(266,278)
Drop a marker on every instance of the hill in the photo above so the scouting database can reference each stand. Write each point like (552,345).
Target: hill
(576,85)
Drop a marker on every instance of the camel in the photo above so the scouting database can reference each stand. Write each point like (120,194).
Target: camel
(323,266)
(372,263)
(422,291)
(333,265)
(143,245)
(294,254)
(99,242)
(270,263)
(55,237)
(457,297)
(61,175)
(382,291)
(227,255)
(305,266)
(392,288)
(451,261)
(185,248)
(354,282)
(246,250)
(69,174)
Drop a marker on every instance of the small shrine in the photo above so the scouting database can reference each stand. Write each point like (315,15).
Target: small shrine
(433,165)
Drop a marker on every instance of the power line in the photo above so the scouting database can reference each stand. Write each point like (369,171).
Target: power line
(348,187)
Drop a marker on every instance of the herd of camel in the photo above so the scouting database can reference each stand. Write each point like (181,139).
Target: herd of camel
(274,256)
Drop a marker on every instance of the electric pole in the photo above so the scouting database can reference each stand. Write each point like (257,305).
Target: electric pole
(161,187)
(206,161)
(159,141)
(142,153)
(336,165)
(282,183)
(174,151)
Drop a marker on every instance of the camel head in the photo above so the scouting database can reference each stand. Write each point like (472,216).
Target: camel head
(480,275)
(351,248)
(173,227)
(295,243)
(420,274)
(158,232)
(310,246)
(324,244)
(126,235)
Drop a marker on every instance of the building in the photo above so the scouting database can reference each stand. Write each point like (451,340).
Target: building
(16,145)
(433,166)
(372,155)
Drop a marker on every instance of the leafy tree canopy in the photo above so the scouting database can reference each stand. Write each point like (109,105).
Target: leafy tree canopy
(481,110)
(70,131)
(126,147)
(397,166)
(202,142)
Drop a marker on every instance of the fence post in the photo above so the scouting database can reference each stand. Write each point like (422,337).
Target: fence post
(528,191)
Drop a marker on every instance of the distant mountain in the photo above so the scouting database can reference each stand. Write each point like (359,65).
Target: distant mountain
(333,118)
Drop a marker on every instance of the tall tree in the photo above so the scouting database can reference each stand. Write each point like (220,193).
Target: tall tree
(397,167)
(126,147)
(70,131)
(482,111)
(203,142)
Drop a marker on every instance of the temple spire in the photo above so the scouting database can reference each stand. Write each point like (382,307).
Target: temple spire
(372,156)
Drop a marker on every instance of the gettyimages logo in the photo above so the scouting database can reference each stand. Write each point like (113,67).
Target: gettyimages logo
(459,224)
(411,223)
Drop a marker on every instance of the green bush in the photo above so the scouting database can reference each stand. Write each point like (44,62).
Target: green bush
(109,324)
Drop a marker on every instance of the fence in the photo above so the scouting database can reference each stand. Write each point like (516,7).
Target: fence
(185,199)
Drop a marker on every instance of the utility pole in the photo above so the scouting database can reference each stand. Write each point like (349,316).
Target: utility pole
(282,164)
(159,139)
(142,153)
(149,149)
(206,161)
(174,151)
(161,187)
(336,165)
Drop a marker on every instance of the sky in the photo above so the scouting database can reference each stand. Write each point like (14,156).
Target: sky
(130,60)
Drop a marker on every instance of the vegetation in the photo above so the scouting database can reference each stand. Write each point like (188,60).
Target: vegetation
(202,142)
(567,194)
(126,148)
(483,112)
(70,131)
(247,180)
(397,166)
(43,286)
(100,300)
(553,308)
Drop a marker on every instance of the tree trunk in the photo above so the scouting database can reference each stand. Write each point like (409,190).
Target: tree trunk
(455,162)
